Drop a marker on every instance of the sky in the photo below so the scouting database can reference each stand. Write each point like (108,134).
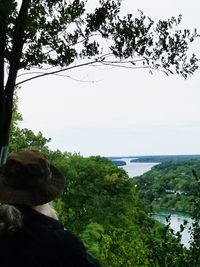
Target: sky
(120,112)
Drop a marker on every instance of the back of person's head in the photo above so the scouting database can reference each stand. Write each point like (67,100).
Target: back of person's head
(10,220)
(26,179)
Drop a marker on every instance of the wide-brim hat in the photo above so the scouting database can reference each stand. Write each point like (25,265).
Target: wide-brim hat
(28,179)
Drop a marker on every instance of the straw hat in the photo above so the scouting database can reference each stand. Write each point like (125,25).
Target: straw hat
(28,179)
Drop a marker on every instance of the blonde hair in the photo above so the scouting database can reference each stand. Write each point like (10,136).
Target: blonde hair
(11,219)
(47,210)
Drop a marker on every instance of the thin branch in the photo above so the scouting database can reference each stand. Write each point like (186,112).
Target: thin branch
(57,74)
(127,67)
(101,67)
(106,55)
(101,61)
(57,71)
(101,58)
(31,73)
(42,68)
(127,61)
(74,79)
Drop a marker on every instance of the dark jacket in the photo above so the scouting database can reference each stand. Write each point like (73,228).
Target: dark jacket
(43,243)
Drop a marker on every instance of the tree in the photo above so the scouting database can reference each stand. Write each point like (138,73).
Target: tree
(193,258)
(100,204)
(55,36)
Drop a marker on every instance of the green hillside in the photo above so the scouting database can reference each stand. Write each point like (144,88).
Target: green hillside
(169,185)
(164,158)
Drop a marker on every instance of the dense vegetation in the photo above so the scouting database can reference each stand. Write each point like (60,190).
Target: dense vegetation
(119,162)
(169,185)
(101,205)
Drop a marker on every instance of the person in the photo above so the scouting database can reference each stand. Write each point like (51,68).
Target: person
(30,233)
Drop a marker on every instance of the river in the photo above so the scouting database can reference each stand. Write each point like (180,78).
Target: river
(177,218)
(138,168)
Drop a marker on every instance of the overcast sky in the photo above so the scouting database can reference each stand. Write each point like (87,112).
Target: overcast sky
(123,112)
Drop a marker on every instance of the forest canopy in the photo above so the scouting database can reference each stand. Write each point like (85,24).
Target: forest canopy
(102,206)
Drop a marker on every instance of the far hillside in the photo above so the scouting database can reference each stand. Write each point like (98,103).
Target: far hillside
(164,158)
(169,185)
(151,159)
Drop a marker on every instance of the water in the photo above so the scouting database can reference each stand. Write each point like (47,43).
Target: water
(177,218)
(136,168)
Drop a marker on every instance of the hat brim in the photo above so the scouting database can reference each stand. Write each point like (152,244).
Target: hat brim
(33,196)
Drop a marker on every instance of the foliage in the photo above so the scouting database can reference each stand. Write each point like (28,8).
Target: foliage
(24,138)
(92,236)
(166,247)
(101,205)
(119,162)
(194,252)
(181,175)
(169,185)
(51,39)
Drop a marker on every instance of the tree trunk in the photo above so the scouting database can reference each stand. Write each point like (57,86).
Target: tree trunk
(3,29)
(5,119)
(7,91)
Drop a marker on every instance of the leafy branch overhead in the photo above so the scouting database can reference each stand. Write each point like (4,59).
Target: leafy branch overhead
(59,33)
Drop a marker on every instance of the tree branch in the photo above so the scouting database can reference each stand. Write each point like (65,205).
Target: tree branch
(56,74)
(57,71)
(118,64)
(101,60)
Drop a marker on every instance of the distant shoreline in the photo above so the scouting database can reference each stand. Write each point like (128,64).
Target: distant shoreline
(156,158)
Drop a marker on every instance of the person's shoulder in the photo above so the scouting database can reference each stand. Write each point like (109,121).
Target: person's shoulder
(70,240)
(75,245)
